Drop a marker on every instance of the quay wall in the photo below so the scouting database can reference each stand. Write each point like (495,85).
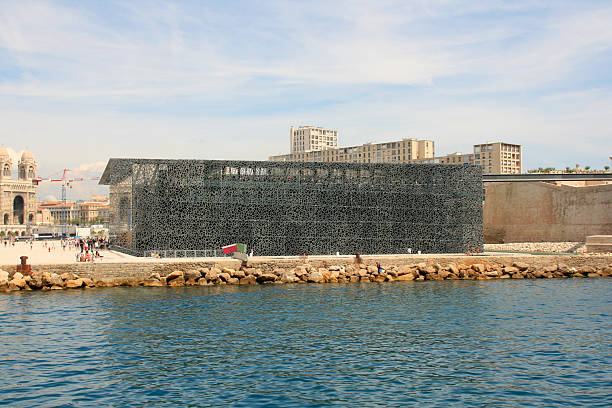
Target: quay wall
(303,270)
(545,212)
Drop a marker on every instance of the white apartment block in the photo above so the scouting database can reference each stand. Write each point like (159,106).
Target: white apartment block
(401,151)
(316,144)
(309,138)
(495,158)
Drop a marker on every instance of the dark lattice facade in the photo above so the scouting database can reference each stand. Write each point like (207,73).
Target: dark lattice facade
(294,208)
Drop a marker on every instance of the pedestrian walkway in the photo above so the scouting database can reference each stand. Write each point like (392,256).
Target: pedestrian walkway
(51,253)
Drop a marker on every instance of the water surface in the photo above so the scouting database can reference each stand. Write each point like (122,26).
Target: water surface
(477,344)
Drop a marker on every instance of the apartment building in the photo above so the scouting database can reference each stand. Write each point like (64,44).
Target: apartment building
(495,158)
(401,151)
(309,138)
(53,212)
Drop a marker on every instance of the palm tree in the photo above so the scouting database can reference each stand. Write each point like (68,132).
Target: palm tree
(568,169)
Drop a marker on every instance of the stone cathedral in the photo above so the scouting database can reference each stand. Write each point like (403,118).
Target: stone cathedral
(17,197)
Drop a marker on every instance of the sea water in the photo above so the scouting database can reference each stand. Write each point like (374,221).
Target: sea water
(452,343)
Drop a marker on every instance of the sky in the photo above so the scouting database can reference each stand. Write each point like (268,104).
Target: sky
(83,81)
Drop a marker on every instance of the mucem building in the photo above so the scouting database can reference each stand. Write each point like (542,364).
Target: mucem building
(288,208)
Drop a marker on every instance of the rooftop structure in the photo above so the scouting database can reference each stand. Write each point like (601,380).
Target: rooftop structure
(309,138)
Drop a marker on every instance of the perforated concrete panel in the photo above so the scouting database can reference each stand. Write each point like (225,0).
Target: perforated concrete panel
(294,208)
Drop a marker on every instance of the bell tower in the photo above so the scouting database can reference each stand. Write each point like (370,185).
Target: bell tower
(6,164)
(27,166)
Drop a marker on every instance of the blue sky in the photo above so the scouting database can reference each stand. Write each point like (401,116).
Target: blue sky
(82,81)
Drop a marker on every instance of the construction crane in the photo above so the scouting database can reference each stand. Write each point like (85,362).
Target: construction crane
(66,183)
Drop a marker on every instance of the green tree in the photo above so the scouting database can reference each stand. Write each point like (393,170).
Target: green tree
(607,168)
(587,167)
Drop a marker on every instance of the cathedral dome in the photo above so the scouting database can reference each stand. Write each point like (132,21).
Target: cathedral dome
(4,154)
(27,156)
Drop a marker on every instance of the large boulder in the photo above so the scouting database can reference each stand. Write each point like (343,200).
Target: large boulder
(479,268)
(4,276)
(52,279)
(212,275)
(192,274)
(238,274)
(406,277)
(550,268)
(74,283)
(36,280)
(300,271)
(176,282)
(510,270)
(587,269)
(315,277)
(266,278)
(175,275)
(288,277)
(18,283)
(225,277)
(380,278)
(155,276)
(68,276)
(248,280)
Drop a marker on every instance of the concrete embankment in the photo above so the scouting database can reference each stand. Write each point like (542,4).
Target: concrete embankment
(304,270)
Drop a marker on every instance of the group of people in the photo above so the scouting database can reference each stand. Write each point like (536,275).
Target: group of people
(88,250)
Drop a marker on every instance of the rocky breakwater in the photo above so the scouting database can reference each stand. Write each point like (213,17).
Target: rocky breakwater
(271,273)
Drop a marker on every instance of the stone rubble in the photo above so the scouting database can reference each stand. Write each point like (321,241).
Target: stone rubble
(540,247)
(307,273)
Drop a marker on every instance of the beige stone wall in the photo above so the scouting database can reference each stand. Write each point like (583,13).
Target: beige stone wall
(534,212)
(135,272)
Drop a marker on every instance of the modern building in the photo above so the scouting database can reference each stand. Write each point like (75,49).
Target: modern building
(287,208)
(494,158)
(402,151)
(308,138)
(17,196)
(310,144)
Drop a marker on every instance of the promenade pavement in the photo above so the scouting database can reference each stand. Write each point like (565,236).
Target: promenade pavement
(40,254)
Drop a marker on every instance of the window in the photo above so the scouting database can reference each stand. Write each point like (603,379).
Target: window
(6,171)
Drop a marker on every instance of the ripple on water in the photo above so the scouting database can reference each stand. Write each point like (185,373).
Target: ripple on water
(540,343)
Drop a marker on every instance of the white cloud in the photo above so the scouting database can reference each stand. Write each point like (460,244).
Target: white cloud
(169,80)
(95,167)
